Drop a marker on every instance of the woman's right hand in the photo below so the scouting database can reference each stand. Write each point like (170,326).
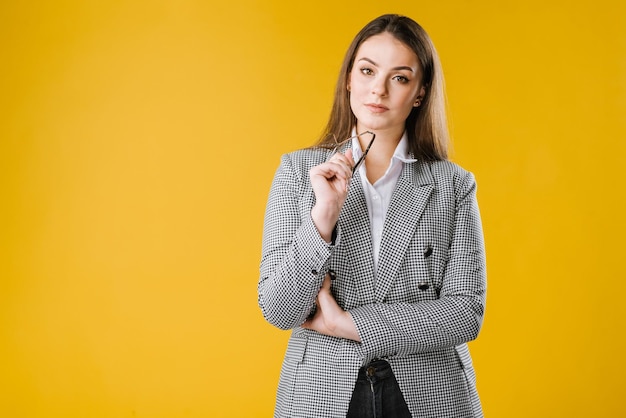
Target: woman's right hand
(330,181)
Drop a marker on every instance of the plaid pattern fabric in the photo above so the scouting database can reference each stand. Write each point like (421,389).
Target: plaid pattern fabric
(427,301)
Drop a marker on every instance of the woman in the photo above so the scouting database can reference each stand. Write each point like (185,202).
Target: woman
(377,263)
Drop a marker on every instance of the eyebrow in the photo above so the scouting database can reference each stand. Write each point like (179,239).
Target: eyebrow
(402,67)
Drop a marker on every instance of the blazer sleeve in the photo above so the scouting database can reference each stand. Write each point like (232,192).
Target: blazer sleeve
(294,255)
(454,318)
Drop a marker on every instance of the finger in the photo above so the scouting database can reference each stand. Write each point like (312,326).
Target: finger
(332,169)
(343,160)
(327,282)
(344,169)
(350,157)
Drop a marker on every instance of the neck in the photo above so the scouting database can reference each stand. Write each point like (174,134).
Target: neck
(380,153)
(384,145)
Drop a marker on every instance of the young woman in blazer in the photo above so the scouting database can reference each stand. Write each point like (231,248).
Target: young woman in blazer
(377,264)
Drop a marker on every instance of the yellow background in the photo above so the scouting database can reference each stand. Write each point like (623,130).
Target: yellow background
(138,143)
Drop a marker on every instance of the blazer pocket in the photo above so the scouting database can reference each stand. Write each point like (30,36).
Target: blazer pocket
(296,347)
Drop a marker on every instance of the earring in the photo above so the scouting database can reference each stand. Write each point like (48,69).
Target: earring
(417,102)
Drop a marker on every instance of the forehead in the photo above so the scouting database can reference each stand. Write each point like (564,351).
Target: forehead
(385,49)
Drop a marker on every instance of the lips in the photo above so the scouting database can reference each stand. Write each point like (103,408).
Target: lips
(376,108)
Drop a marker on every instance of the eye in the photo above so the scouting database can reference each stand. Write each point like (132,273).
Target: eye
(367,71)
(402,79)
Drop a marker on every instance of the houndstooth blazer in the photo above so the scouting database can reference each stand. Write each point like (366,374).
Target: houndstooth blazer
(426,303)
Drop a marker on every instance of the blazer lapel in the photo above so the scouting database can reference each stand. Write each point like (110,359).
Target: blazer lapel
(413,190)
(356,235)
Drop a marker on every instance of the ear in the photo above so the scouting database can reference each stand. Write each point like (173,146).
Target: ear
(420,97)
(348,87)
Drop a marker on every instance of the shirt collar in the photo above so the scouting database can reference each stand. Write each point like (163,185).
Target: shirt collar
(401,153)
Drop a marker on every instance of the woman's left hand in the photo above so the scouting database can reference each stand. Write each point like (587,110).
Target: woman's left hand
(329,318)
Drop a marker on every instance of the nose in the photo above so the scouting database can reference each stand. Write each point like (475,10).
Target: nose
(379,86)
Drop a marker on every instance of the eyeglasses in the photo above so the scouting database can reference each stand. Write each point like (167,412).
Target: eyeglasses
(358,163)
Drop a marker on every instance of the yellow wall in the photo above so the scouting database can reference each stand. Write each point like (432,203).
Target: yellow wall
(137,143)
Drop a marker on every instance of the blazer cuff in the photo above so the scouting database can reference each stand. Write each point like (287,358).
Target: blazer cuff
(316,249)
(372,344)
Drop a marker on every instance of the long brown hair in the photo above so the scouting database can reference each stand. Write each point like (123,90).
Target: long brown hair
(426,125)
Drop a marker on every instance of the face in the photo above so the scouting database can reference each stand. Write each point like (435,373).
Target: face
(384,84)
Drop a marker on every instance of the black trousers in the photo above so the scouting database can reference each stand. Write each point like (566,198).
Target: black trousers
(377,394)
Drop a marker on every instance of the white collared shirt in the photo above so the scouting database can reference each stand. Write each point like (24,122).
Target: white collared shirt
(378,195)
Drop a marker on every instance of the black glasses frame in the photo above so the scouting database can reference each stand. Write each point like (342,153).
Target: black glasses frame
(367,149)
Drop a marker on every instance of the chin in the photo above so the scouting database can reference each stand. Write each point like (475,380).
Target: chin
(367,125)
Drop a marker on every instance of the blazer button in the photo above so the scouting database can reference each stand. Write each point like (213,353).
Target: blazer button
(314,272)
(423,286)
